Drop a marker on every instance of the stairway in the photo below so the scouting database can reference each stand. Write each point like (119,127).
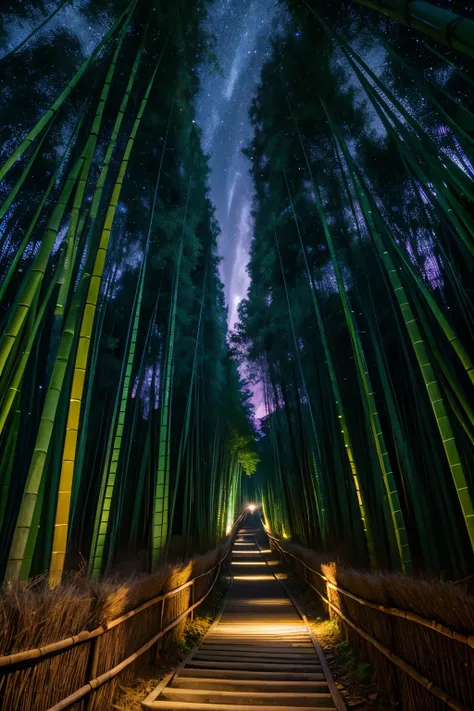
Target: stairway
(258,657)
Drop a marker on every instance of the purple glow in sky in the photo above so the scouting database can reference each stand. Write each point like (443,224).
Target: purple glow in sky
(242,29)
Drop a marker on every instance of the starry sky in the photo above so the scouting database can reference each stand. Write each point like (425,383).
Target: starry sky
(242,31)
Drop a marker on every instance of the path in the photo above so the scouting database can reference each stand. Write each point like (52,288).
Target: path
(259,656)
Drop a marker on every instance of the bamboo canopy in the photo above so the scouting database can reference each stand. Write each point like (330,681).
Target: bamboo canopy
(447,27)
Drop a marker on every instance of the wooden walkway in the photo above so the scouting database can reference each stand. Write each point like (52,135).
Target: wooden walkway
(259,656)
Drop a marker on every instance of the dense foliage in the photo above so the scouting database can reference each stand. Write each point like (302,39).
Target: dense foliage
(360,312)
(123,424)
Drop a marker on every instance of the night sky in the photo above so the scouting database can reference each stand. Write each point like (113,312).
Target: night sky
(243,31)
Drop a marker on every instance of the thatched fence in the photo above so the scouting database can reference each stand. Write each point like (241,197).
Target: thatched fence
(105,629)
(418,634)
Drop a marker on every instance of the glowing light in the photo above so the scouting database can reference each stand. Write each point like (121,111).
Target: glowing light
(251,508)
(228,530)
(253,577)
(248,562)
(272,629)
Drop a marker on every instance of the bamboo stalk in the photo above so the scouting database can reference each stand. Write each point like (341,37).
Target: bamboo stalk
(453,30)
(35,30)
(51,112)
(61,525)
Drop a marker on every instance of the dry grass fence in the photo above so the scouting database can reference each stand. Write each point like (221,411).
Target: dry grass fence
(418,634)
(56,642)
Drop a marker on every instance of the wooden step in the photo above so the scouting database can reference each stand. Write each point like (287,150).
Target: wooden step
(252,675)
(197,706)
(254,646)
(253,656)
(259,652)
(262,641)
(242,697)
(193,682)
(257,666)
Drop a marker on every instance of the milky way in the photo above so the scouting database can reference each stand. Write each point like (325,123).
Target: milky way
(243,31)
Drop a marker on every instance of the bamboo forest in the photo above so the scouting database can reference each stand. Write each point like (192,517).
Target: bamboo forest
(236,269)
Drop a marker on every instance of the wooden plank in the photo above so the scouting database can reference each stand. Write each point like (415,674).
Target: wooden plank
(293,652)
(241,674)
(256,656)
(280,698)
(249,684)
(256,645)
(254,666)
(193,706)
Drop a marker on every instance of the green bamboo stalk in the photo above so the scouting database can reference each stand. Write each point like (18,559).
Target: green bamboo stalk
(465,138)
(51,112)
(25,569)
(36,30)
(32,225)
(80,369)
(160,508)
(34,277)
(440,176)
(368,398)
(459,71)
(96,199)
(7,458)
(114,447)
(18,185)
(110,469)
(187,416)
(417,138)
(447,27)
(88,154)
(16,376)
(452,338)
(44,436)
(422,352)
(333,379)
(319,482)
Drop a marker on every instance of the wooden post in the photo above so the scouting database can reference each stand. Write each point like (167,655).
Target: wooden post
(162,613)
(191,617)
(92,668)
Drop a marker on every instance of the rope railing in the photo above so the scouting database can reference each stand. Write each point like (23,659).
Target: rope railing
(11,662)
(408,669)
(394,611)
